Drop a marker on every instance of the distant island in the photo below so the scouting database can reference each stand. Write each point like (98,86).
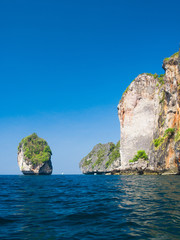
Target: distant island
(103,158)
(34,156)
(149,114)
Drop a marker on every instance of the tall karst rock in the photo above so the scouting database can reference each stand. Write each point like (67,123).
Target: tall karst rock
(149,114)
(34,156)
(137,113)
(149,119)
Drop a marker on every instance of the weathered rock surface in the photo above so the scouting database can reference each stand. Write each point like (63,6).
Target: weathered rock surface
(149,117)
(149,114)
(137,114)
(104,158)
(34,156)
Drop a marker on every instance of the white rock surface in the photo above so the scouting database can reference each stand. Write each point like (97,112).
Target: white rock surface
(27,167)
(137,114)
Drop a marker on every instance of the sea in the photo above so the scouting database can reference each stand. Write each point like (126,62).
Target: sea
(89,207)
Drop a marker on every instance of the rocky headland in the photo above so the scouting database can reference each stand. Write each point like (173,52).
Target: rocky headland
(149,114)
(103,158)
(34,156)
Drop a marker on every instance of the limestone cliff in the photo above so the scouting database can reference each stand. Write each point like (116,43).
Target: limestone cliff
(149,114)
(137,111)
(104,158)
(34,156)
(149,118)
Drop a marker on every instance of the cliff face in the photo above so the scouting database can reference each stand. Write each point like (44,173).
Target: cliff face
(164,153)
(103,158)
(137,110)
(149,114)
(34,156)
(149,120)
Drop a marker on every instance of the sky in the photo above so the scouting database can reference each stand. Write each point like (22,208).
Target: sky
(64,65)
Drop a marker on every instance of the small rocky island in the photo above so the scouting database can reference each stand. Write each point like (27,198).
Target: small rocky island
(149,114)
(34,156)
(103,158)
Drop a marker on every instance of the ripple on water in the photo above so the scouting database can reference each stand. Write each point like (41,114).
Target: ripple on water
(89,207)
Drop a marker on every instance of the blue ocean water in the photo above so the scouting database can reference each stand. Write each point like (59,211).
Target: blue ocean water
(89,207)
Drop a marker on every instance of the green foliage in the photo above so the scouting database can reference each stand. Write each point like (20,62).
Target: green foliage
(158,141)
(36,150)
(169,132)
(177,136)
(114,155)
(101,152)
(160,78)
(131,160)
(175,55)
(88,159)
(100,155)
(141,154)
(155,75)
(112,146)
(125,91)
(162,124)
(87,162)
(118,145)
(178,87)
(163,98)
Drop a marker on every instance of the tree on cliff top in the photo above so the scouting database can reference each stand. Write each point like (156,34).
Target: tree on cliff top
(36,150)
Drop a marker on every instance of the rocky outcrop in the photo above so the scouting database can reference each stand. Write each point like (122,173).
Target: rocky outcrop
(137,110)
(149,116)
(34,156)
(103,159)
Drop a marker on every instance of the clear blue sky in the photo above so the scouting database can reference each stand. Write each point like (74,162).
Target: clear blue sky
(65,64)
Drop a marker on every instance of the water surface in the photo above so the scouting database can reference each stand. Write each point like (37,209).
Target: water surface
(89,207)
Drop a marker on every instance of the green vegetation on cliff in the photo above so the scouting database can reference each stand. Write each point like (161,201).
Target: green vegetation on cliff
(177,136)
(101,158)
(115,154)
(175,55)
(155,75)
(141,154)
(160,78)
(100,155)
(36,150)
(167,134)
(158,142)
(88,159)
(162,98)
(87,162)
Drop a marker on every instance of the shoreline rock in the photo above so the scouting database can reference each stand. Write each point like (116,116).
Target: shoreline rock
(34,156)
(102,159)
(149,114)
